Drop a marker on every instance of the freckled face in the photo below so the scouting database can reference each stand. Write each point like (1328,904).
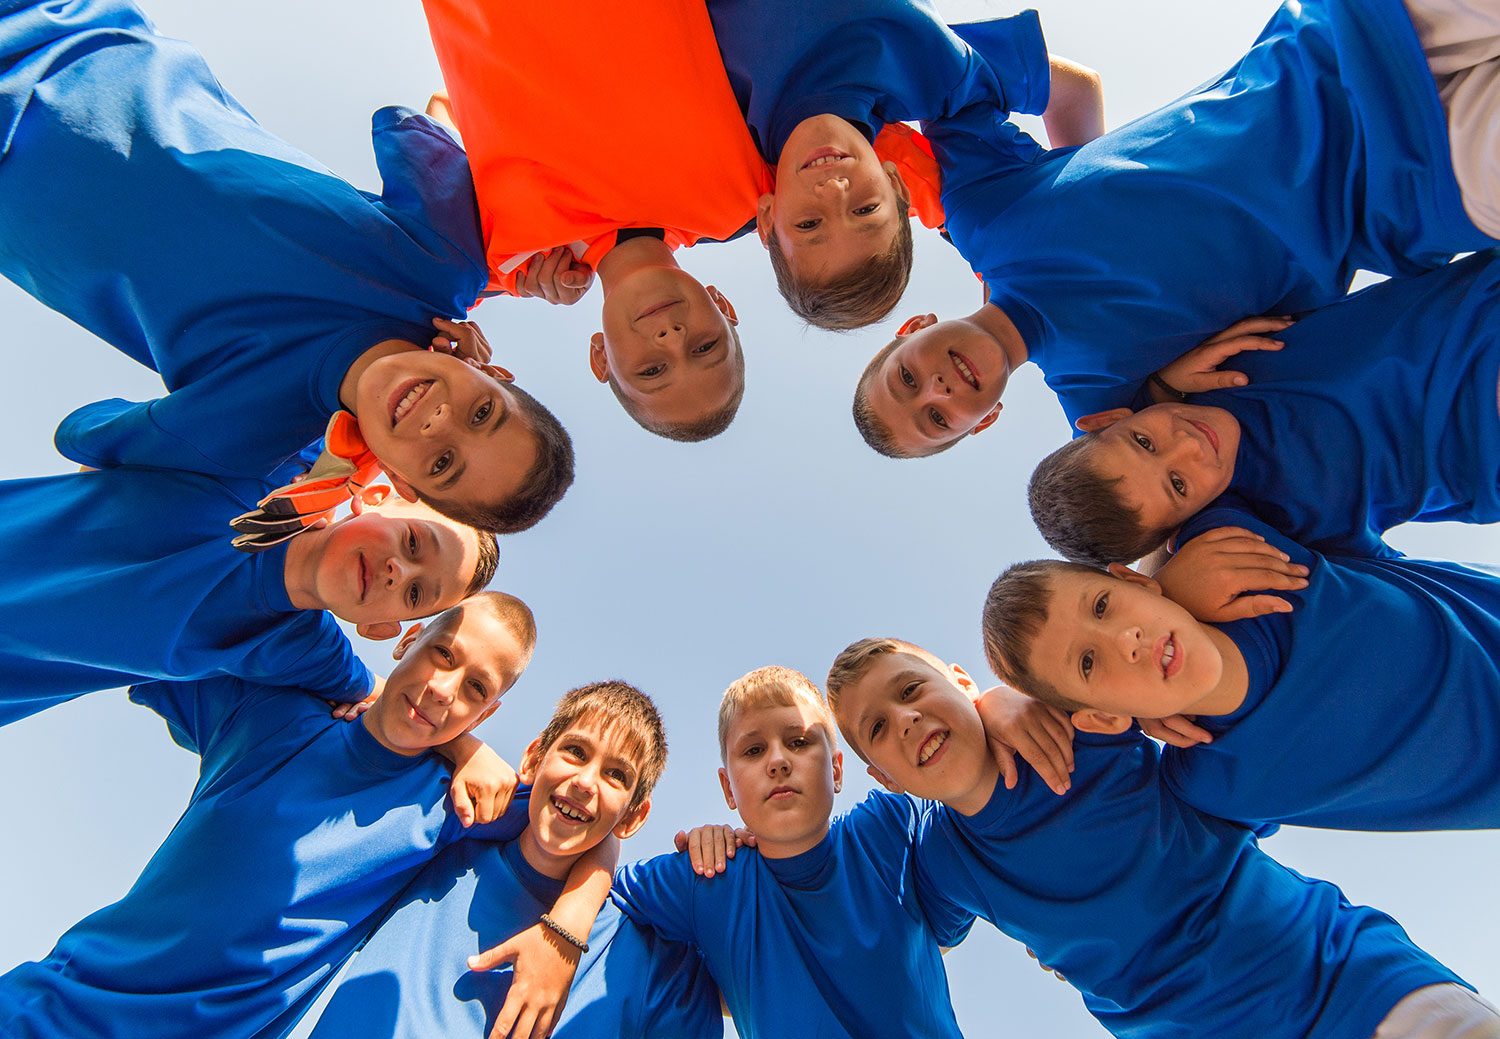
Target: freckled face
(780,771)
(1173,459)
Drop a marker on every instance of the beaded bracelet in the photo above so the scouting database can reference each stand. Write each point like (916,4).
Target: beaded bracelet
(1167,388)
(567,936)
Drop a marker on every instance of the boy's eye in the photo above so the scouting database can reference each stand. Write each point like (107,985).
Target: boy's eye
(411,541)
(877,728)
(573,750)
(909,691)
(444,653)
(908,378)
(482,412)
(414,595)
(1086,663)
(706,347)
(1100,605)
(806,225)
(652,371)
(797,741)
(937,418)
(1179,485)
(752,750)
(1143,440)
(867,210)
(478,688)
(616,774)
(441,463)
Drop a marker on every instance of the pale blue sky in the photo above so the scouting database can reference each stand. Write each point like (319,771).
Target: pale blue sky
(677,567)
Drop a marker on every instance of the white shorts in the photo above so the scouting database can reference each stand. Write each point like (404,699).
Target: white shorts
(1440,1012)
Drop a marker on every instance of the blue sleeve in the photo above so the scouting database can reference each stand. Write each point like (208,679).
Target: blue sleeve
(978,144)
(950,922)
(658,893)
(194,711)
(310,652)
(1017,52)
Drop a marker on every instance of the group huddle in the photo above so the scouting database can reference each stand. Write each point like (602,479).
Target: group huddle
(337,443)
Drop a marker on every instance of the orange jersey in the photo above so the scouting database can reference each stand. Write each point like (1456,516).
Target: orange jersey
(581,119)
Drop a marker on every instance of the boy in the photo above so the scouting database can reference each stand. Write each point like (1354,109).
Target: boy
(1332,446)
(300,832)
(591,772)
(635,158)
(1324,150)
(820,917)
(1311,723)
(1171,923)
(268,293)
(126,575)
(817,82)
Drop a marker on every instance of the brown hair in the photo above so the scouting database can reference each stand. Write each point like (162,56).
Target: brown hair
(1015,611)
(858,297)
(485,567)
(1080,513)
(621,708)
(768,687)
(704,427)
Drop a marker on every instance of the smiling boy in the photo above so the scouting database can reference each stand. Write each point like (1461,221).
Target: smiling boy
(299,833)
(821,916)
(269,293)
(1170,922)
(591,773)
(1312,723)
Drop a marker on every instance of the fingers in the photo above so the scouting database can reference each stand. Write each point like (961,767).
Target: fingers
(680,840)
(743,836)
(1184,727)
(484,807)
(463,805)
(1254,606)
(1005,756)
(492,958)
(1253,326)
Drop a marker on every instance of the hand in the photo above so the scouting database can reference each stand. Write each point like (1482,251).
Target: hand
(1176,730)
(1042,735)
(711,846)
(351,711)
(544,969)
(462,339)
(1210,575)
(483,783)
(1198,369)
(1030,952)
(556,277)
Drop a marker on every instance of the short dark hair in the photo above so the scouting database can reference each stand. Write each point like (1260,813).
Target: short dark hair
(703,428)
(860,296)
(875,432)
(1080,513)
(623,708)
(542,487)
(1015,611)
(489,561)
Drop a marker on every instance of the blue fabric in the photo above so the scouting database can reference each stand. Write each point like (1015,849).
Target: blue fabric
(1373,705)
(128,575)
(1322,151)
(410,982)
(300,832)
(140,200)
(871,62)
(835,932)
(1172,924)
(1381,409)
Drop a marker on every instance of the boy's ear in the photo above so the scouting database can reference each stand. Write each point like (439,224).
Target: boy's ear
(403,488)
(722,302)
(763,226)
(379,631)
(728,794)
(884,780)
(1124,573)
(1102,722)
(893,173)
(598,359)
(987,421)
(838,771)
(1102,419)
(632,820)
(531,759)
(399,649)
(916,324)
(963,681)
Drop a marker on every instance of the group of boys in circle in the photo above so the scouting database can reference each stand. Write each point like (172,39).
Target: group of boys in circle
(310,337)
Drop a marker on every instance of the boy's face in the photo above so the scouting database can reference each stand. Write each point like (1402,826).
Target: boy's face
(835,205)
(944,379)
(444,428)
(393,562)
(581,788)
(913,719)
(450,676)
(668,344)
(780,773)
(1121,647)
(1172,459)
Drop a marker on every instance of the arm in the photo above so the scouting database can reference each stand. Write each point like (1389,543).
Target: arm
(1042,735)
(1075,106)
(1198,370)
(710,847)
(483,783)
(1212,574)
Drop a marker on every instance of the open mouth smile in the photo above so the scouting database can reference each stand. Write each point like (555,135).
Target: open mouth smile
(1168,657)
(965,369)
(569,811)
(931,746)
(823,157)
(406,397)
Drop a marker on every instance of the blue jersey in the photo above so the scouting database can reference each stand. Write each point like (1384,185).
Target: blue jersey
(128,575)
(140,200)
(409,981)
(835,932)
(1342,730)
(1171,923)
(1381,409)
(300,832)
(871,62)
(1322,151)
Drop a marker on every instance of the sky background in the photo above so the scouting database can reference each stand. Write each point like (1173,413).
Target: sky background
(677,567)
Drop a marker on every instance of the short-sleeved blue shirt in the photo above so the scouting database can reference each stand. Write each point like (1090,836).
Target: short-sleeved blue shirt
(1171,923)
(1322,151)
(410,980)
(300,832)
(128,575)
(140,200)
(1380,409)
(1349,730)
(835,932)
(872,62)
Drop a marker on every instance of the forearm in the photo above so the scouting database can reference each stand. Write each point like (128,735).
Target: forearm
(1075,109)
(586,889)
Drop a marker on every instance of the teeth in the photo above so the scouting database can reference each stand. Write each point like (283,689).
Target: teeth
(963,369)
(410,399)
(824,161)
(1167,654)
(569,812)
(931,747)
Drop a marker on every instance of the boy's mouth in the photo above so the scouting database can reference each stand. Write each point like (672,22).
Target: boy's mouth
(931,747)
(1208,434)
(823,157)
(569,811)
(657,308)
(965,369)
(781,793)
(405,398)
(364,577)
(1168,655)
(415,715)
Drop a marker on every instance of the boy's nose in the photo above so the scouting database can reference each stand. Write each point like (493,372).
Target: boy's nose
(440,689)
(395,569)
(437,420)
(832,185)
(937,386)
(670,330)
(1130,643)
(908,721)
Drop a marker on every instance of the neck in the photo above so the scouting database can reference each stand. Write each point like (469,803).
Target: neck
(1234,682)
(549,864)
(348,388)
(973,800)
(371,721)
(630,256)
(773,849)
(302,554)
(999,325)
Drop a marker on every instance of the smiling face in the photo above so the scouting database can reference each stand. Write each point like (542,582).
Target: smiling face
(1120,647)
(394,562)
(941,380)
(1172,460)
(835,205)
(444,428)
(450,676)
(781,771)
(913,719)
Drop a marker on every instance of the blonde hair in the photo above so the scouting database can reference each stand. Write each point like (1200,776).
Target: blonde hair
(770,687)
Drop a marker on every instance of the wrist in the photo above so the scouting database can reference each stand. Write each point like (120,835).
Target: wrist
(1164,392)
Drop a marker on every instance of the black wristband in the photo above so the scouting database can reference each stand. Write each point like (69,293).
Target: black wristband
(1168,388)
(567,936)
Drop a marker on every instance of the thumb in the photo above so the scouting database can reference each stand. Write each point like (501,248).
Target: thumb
(1005,757)
(492,958)
(681,840)
(463,804)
